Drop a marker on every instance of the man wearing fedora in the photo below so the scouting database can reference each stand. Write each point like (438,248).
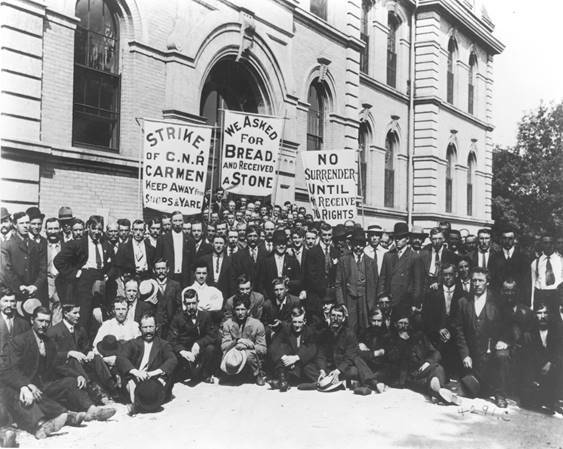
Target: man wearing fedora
(66,219)
(402,273)
(479,333)
(147,364)
(83,262)
(195,340)
(136,255)
(5,224)
(23,262)
(319,273)
(356,283)
(243,342)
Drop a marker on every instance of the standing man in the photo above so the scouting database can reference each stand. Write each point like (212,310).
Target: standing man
(248,260)
(402,274)
(5,225)
(112,235)
(356,283)
(36,225)
(177,250)
(268,244)
(168,296)
(484,255)
(374,248)
(66,219)
(232,243)
(244,289)
(83,262)
(202,247)
(77,229)
(547,274)
(464,274)
(511,262)
(55,284)
(155,229)
(435,257)
(221,267)
(123,230)
(10,324)
(136,256)
(23,262)
(479,328)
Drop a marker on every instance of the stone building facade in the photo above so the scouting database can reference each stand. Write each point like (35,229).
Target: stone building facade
(404,83)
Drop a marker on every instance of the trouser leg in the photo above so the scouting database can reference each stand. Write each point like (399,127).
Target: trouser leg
(66,391)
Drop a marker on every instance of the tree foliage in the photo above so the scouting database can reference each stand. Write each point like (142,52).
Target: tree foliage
(528,178)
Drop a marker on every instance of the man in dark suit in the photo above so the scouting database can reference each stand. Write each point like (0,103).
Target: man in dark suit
(293,352)
(247,260)
(10,323)
(155,229)
(320,273)
(168,296)
(177,250)
(74,348)
(36,219)
(83,262)
(485,256)
(36,376)
(220,267)
(195,341)
(435,257)
(23,263)
(512,263)
(267,245)
(136,256)
(137,306)
(356,283)
(402,273)
(278,309)
(438,315)
(279,264)
(479,329)
(542,363)
(124,230)
(147,363)
(219,205)
(245,289)
(202,247)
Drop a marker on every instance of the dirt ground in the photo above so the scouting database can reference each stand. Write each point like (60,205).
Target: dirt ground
(215,416)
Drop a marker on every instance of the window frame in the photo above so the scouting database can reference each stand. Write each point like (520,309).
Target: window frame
(391,143)
(315,140)
(450,71)
(393,24)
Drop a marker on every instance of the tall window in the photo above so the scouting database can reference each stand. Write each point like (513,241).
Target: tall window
(470,175)
(364,36)
(363,134)
(96,77)
(451,54)
(393,25)
(471,84)
(319,8)
(315,117)
(389,187)
(450,160)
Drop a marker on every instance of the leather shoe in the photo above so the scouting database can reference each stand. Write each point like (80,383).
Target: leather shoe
(500,401)
(75,418)
(98,413)
(51,426)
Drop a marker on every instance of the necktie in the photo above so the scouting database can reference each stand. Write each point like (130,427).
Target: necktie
(254,255)
(41,345)
(217,268)
(98,257)
(269,247)
(9,325)
(358,259)
(483,260)
(549,275)
(436,263)
(327,259)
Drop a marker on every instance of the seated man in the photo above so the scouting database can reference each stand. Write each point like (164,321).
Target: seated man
(147,364)
(278,309)
(194,339)
(73,349)
(39,387)
(293,352)
(339,354)
(245,288)
(243,342)
(372,344)
(414,361)
(542,364)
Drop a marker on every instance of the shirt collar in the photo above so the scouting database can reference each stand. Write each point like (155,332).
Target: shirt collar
(69,326)
(448,289)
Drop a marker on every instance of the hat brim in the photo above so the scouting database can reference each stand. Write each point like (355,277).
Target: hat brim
(239,368)
(334,386)
(104,352)
(155,403)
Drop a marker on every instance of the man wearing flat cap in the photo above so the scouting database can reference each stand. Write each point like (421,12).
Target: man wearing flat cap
(66,219)
(356,283)
(402,274)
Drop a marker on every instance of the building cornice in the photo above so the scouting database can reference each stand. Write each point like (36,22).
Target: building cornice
(437,101)
(466,19)
(368,81)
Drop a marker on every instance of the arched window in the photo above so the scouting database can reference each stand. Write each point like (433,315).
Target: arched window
(229,85)
(393,25)
(315,117)
(96,95)
(363,137)
(471,162)
(389,187)
(319,8)
(452,48)
(471,83)
(450,161)
(364,36)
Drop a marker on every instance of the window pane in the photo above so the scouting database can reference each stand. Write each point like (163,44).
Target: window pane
(319,8)
(315,117)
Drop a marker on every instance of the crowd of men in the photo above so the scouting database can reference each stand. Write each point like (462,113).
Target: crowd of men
(91,314)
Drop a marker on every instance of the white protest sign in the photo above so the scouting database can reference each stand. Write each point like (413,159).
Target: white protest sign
(331,183)
(175,166)
(250,153)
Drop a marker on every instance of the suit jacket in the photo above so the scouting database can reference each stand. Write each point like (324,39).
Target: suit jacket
(256,306)
(434,314)
(406,356)
(184,332)
(161,356)
(316,280)
(305,253)
(204,249)
(337,351)
(472,341)
(24,363)
(65,342)
(268,271)
(168,303)
(347,279)
(273,312)
(517,268)
(165,249)
(243,263)
(448,257)
(286,344)
(19,325)
(492,263)
(22,264)
(226,280)
(125,257)
(535,355)
(402,279)
(74,254)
